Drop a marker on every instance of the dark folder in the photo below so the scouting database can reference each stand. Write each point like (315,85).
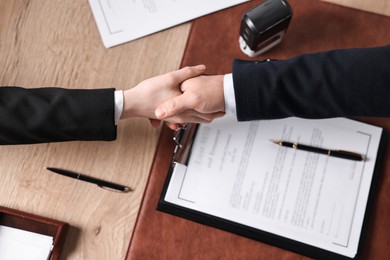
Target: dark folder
(213,41)
(252,193)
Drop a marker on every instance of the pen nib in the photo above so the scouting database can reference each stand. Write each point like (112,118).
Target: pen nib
(276,142)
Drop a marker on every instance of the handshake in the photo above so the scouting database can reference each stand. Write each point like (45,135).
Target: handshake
(178,97)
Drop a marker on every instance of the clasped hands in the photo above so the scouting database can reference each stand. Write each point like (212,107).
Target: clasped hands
(177,97)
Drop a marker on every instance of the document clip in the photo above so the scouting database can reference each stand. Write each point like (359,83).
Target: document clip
(183,138)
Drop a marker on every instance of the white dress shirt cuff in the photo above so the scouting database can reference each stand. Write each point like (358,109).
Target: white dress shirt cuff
(228,92)
(118,101)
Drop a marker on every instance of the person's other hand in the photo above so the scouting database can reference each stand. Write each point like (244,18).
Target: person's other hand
(201,102)
(143,99)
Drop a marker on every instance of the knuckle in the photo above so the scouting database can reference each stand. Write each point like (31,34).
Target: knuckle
(196,100)
(171,106)
(170,78)
(187,69)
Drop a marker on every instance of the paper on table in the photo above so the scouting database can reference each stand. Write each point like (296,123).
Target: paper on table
(236,173)
(20,244)
(120,21)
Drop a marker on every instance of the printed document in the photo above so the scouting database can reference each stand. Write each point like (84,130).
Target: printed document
(120,21)
(236,173)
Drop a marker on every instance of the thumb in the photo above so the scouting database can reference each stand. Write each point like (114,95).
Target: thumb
(171,107)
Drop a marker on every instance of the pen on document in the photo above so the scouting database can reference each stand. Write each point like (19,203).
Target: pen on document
(335,153)
(98,182)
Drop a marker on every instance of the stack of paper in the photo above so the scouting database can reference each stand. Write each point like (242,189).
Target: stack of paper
(20,244)
(237,174)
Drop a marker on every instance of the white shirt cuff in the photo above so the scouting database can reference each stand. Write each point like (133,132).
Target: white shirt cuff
(118,101)
(228,92)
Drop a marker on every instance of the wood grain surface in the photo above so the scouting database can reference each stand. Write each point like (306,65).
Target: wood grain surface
(56,43)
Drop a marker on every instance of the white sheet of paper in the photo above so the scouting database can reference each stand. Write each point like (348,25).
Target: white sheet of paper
(120,21)
(20,244)
(236,173)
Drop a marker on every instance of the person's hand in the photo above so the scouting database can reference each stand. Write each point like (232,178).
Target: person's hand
(201,102)
(143,99)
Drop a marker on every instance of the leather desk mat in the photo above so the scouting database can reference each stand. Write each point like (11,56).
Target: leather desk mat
(213,41)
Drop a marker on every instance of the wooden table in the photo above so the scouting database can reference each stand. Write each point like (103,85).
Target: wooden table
(56,43)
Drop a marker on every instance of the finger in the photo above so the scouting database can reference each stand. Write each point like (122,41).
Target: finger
(219,114)
(172,107)
(191,116)
(155,123)
(172,126)
(186,115)
(188,72)
(188,119)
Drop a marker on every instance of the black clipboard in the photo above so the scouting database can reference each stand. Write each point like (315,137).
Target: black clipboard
(184,139)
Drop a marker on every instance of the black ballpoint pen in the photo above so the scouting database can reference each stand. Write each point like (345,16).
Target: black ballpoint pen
(98,182)
(335,153)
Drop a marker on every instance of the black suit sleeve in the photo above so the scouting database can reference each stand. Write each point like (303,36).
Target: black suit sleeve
(339,83)
(55,114)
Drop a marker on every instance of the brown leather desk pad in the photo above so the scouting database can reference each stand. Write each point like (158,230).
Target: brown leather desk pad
(213,41)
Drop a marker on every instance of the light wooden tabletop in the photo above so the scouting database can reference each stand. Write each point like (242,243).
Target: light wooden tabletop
(56,43)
